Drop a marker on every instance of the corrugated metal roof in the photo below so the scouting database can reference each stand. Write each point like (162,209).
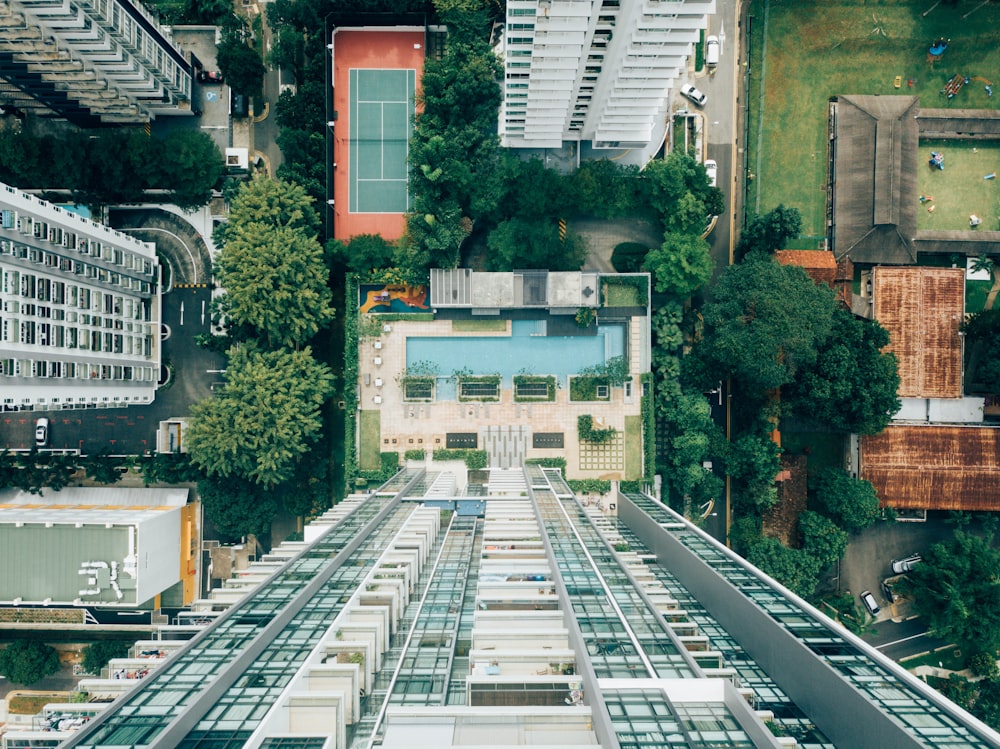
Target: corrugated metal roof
(875,178)
(934,467)
(922,309)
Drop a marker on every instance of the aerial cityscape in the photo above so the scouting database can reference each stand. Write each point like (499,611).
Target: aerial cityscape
(448,373)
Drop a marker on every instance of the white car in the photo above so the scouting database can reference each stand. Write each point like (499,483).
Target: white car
(712,170)
(902,566)
(42,432)
(690,92)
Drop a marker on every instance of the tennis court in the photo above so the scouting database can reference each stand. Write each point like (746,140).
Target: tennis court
(382,105)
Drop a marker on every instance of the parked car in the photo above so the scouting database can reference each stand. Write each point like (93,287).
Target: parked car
(42,432)
(870,603)
(690,92)
(712,51)
(210,76)
(902,566)
(887,592)
(712,170)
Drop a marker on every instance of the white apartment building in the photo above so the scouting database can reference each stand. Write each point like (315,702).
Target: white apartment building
(597,71)
(79,310)
(92,61)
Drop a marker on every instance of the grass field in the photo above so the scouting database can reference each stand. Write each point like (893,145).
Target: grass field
(804,52)
(959,190)
(369,449)
(479,326)
(633,448)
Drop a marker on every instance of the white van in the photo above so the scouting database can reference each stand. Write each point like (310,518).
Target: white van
(712,51)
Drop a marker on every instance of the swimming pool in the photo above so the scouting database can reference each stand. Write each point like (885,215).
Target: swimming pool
(527,350)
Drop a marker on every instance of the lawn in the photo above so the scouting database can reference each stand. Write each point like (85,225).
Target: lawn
(479,326)
(959,190)
(620,295)
(369,447)
(806,52)
(633,448)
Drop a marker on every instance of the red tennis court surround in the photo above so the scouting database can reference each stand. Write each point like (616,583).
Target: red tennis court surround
(399,48)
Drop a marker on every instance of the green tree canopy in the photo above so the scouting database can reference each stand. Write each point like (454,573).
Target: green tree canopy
(28,661)
(956,589)
(533,244)
(363,253)
(765,323)
(822,538)
(796,569)
(273,202)
(769,232)
(239,63)
(681,265)
(263,419)
(276,282)
(237,507)
(852,386)
(193,168)
(272,267)
(754,461)
(851,502)
(96,655)
(678,192)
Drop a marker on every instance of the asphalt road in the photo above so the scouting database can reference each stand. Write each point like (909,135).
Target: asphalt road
(132,430)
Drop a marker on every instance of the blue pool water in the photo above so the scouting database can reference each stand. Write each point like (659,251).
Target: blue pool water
(527,350)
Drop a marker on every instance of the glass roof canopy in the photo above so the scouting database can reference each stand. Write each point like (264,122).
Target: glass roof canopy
(924,717)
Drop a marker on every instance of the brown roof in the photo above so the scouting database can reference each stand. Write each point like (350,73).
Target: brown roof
(874,178)
(947,122)
(934,467)
(922,309)
(820,265)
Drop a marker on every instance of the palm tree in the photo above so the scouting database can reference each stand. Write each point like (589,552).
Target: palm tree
(983,263)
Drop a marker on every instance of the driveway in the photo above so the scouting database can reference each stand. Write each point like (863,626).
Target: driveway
(867,560)
(601,238)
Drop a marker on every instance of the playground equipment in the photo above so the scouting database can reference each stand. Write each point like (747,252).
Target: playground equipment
(414,297)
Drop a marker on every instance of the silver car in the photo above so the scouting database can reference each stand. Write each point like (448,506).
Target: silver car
(690,92)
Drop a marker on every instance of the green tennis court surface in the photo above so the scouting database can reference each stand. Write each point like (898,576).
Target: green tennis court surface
(381,123)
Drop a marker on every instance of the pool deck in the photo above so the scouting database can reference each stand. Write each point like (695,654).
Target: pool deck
(406,426)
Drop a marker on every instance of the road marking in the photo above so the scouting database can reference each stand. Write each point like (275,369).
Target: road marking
(182,313)
(905,639)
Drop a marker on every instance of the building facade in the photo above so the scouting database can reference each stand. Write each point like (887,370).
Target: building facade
(91,61)
(600,71)
(451,609)
(80,316)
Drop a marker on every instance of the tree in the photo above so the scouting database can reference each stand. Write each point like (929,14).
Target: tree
(797,570)
(263,419)
(237,507)
(239,63)
(533,244)
(754,461)
(96,655)
(606,189)
(957,590)
(102,468)
(851,502)
(678,192)
(28,661)
(364,253)
(982,330)
(852,386)
(272,266)
(768,233)
(765,323)
(193,169)
(276,282)
(628,257)
(276,203)
(821,538)
(681,265)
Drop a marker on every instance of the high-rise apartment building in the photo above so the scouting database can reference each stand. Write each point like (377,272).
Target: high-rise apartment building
(596,71)
(79,310)
(447,609)
(91,61)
